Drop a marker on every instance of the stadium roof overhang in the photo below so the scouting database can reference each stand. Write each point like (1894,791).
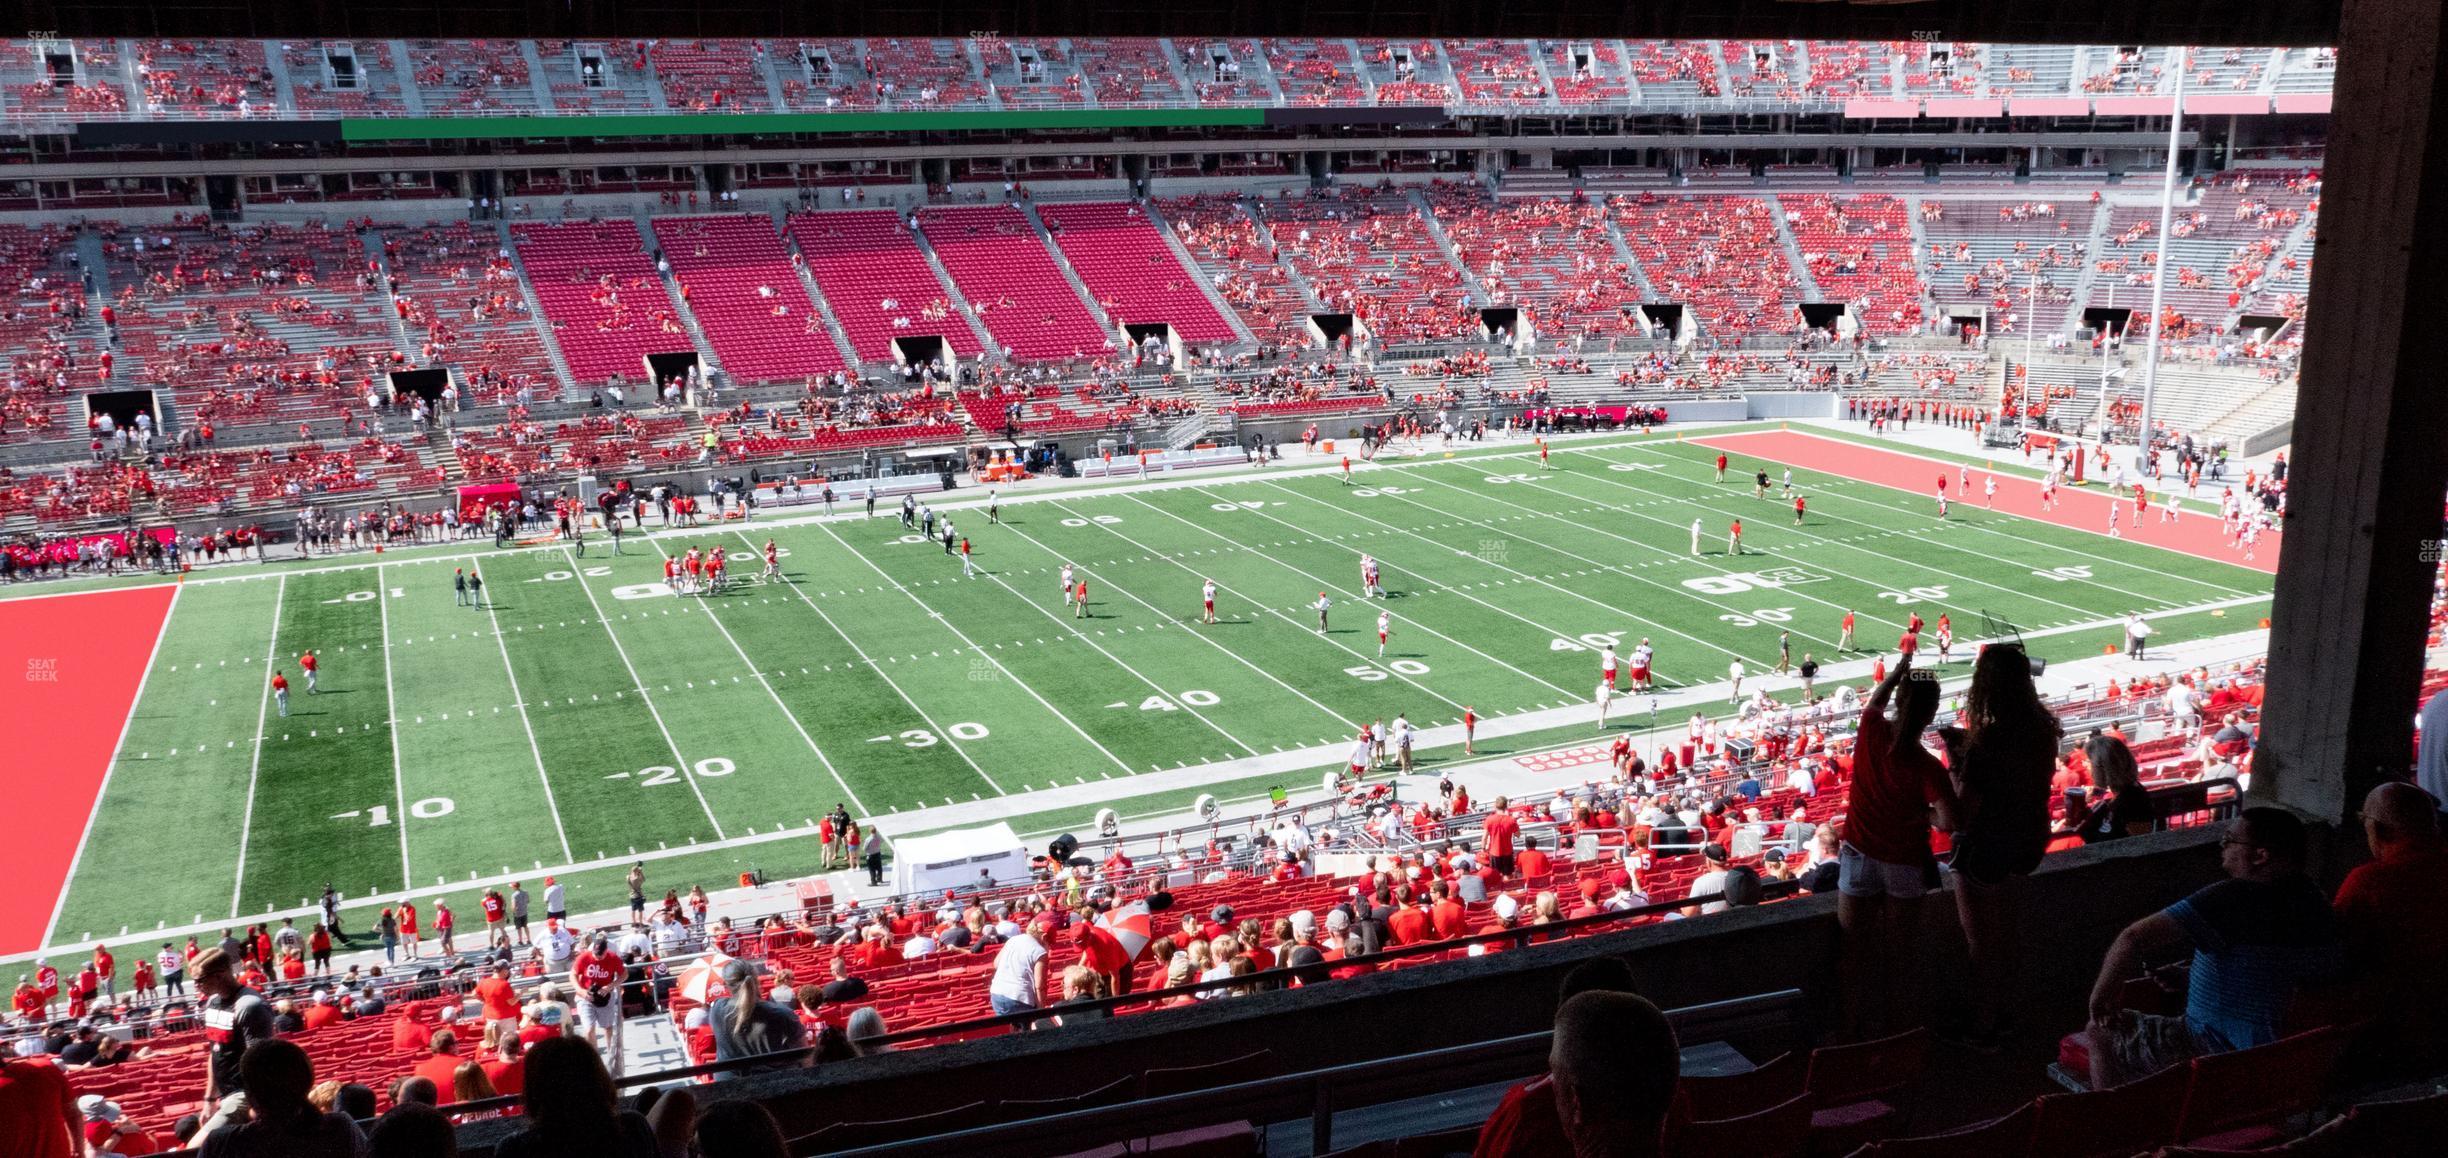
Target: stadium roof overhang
(2247,22)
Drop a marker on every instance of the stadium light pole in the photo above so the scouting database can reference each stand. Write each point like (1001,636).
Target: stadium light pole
(2167,212)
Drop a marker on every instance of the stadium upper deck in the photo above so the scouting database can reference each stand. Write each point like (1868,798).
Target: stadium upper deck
(61,83)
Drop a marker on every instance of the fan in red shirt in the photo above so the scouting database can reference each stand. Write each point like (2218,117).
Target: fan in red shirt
(35,1111)
(494,910)
(1886,837)
(1501,829)
(1525,1123)
(1533,861)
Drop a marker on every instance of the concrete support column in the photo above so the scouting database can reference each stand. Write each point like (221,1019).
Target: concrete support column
(2370,458)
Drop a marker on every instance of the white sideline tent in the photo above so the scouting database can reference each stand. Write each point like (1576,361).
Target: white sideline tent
(952,860)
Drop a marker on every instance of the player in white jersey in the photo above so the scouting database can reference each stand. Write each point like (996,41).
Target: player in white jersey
(2048,490)
(1989,492)
(2113,510)
(1695,536)
(773,561)
(1642,657)
(1942,503)
(2250,535)
(1369,585)
(1207,602)
(1963,478)
(1606,665)
(1385,627)
(1789,480)
(2167,507)
(1070,590)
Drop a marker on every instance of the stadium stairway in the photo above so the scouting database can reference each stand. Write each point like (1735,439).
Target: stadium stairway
(1189,264)
(2087,284)
(706,357)
(990,350)
(1444,243)
(535,75)
(824,309)
(1793,251)
(381,261)
(1062,264)
(1258,221)
(565,380)
(1623,253)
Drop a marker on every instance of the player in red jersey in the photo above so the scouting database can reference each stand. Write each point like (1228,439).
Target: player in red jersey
(1946,637)
(1798,510)
(1734,538)
(968,569)
(1470,728)
(671,574)
(1543,464)
(1846,643)
(1347,470)
(280,692)
(308,663)
(1721,465)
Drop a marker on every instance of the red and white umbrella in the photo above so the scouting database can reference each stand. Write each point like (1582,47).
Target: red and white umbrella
(1131,924)
(701,980)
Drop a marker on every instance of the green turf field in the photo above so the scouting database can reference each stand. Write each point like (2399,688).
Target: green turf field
(587,715)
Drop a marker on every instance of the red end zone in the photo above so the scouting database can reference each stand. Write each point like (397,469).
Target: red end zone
(2195,531)
(78,661)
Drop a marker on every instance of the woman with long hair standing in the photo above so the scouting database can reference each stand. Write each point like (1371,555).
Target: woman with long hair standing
(2001,756)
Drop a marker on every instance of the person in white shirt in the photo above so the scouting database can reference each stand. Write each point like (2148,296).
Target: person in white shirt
(919,945)
(1019,972)
(1734,671)
(556,900)
(559,945)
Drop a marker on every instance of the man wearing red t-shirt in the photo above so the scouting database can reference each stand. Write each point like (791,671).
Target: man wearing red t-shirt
(441,1067)
(1500,829)
(36,1112)
(1525,1123)
(1533,861)
(500,1000)
(1411,924)
(1444,912)
(494,911)
(597,974)
(1885,855)
(2388,911)
(508,1073)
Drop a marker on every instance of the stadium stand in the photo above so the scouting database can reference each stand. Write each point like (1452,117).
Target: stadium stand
(878,282)
(1132,273)
(738,281)
(601,297)
(998,261)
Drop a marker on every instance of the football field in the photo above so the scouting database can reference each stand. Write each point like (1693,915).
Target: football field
(585,716)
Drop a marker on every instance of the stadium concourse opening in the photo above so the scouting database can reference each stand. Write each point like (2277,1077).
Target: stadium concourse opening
(427,384)
(122,407)
(2109,320)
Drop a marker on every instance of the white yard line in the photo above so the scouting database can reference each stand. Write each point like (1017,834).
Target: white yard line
(686,769)
(103,792)
(519,700)
(966,642)
(1235,656)
(399,776)
(779,706)
(246,826)
(1331,586)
